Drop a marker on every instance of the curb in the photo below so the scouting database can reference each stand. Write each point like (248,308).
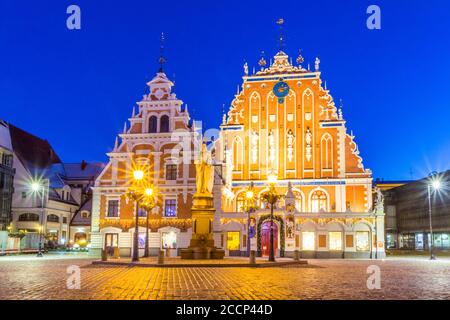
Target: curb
(198,265)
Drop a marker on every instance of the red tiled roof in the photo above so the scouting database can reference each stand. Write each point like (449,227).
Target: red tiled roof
(32,151)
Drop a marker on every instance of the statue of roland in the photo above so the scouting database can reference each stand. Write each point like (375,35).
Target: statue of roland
(204,173)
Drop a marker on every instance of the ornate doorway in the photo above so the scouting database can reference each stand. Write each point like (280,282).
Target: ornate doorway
(265,238)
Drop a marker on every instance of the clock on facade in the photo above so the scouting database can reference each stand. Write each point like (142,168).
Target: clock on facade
(281,90)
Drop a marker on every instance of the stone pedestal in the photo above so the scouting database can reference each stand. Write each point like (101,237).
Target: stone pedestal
(202,242)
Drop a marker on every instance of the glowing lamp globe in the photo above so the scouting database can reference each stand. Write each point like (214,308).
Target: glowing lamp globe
(138,175)
(35,186)
(436,184)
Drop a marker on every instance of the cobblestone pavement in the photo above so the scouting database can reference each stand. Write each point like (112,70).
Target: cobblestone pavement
(31,278)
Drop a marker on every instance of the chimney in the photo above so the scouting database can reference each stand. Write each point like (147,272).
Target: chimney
(83,165)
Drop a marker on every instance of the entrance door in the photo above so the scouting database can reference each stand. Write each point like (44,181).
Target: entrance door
(111,242)
(265,238)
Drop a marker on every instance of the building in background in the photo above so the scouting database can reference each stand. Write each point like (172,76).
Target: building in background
(6,186)
(6,178)
(44,213)
(409,208)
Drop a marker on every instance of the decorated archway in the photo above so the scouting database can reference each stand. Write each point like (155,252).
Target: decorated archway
(277,219)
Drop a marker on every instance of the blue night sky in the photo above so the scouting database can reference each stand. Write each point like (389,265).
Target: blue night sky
(76,88)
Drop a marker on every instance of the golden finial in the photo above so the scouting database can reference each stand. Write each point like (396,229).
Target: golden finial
(262,62)
(300,58)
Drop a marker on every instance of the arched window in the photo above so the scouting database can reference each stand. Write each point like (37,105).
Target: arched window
(240,202)
(53,218)
(326,151)
(153,124)
(29,217)
(298,201)
(164,124)
(238,154)
(319,201)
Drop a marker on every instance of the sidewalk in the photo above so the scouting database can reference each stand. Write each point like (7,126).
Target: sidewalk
(228,262)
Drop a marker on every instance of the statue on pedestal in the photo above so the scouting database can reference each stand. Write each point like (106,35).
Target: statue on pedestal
(204,173)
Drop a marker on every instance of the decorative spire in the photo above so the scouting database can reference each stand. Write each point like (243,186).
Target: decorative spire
(125,128)
(280,22)
(116,144)
(224,116)
(134,112)
(317,64)
(161,60)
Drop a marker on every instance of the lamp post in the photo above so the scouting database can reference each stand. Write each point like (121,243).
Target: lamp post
(249,207)
(134,194)
(271,197)
(39,187)
(148,203)
(434,184)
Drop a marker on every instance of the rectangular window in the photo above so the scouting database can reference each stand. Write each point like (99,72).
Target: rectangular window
(308,241)
(335,241)
(362,241)
(233,240)
(65,220)
(170,208)
(171,172)
(113,208)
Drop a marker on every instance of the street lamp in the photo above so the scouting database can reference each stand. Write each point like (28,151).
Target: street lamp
(433,184)
(135,193)
(148,203)
(39,187)
(272,198)
(249,207)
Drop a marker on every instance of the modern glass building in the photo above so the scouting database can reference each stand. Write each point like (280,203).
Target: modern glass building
(409,206)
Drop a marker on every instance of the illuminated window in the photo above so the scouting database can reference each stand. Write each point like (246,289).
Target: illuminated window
(362,241)
(238,154)
(170,208)
(169,240)
(319,201)
(298,201)
(308,241)
(233,240)
(335,241)
(240,202)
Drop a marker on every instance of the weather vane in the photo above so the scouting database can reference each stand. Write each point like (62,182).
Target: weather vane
(280,22)
(162,60)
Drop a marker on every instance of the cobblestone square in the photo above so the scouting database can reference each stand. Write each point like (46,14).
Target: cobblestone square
(401,278)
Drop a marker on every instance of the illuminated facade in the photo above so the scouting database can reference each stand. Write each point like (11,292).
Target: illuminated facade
(158,139)
(284,122)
